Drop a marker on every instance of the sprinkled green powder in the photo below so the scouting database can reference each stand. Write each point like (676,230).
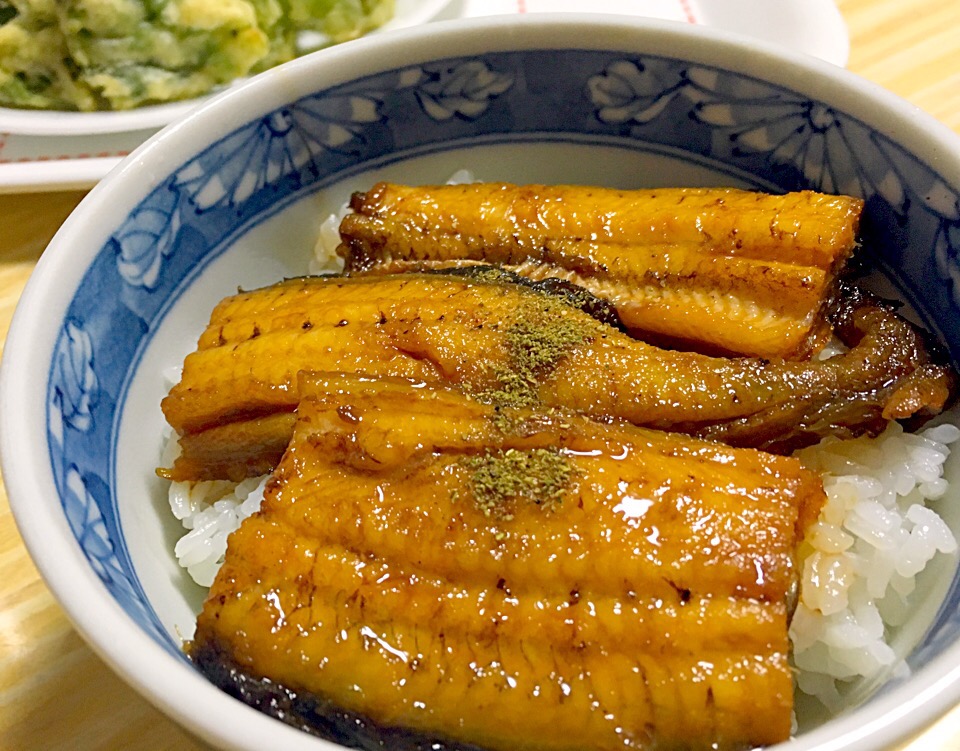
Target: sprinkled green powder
(540,336)
(540,476)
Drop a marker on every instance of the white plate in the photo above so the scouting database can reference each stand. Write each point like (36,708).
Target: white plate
(59,123)
(52,123)
(43,151)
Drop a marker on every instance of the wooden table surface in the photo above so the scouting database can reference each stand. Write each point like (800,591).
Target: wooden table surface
(56,694)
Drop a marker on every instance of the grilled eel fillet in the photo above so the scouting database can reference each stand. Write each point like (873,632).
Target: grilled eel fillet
(519,343)
(430,568)
(717,270)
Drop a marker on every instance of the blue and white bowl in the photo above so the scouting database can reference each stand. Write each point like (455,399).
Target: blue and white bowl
(233,195)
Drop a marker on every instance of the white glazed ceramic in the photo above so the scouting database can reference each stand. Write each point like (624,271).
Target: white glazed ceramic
(233,196)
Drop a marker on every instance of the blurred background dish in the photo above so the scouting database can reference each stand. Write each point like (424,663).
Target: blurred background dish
(148,118)
(42,151)
(815,28)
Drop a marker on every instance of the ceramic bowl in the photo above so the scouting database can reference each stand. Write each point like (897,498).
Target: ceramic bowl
(233,195)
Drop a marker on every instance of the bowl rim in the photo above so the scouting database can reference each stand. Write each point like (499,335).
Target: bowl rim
(168,683)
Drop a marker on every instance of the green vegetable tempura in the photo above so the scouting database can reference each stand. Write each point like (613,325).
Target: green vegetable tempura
(119,54)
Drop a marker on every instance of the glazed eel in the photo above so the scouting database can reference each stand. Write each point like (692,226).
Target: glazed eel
(432,571)
(510,341)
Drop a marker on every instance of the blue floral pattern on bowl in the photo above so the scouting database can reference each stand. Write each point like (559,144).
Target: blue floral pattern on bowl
(780,136)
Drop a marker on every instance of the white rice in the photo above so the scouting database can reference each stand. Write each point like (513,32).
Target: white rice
(860,560)
(325,259)
(210,511)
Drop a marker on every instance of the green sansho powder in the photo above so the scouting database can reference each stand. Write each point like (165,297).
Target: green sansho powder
(500,478)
